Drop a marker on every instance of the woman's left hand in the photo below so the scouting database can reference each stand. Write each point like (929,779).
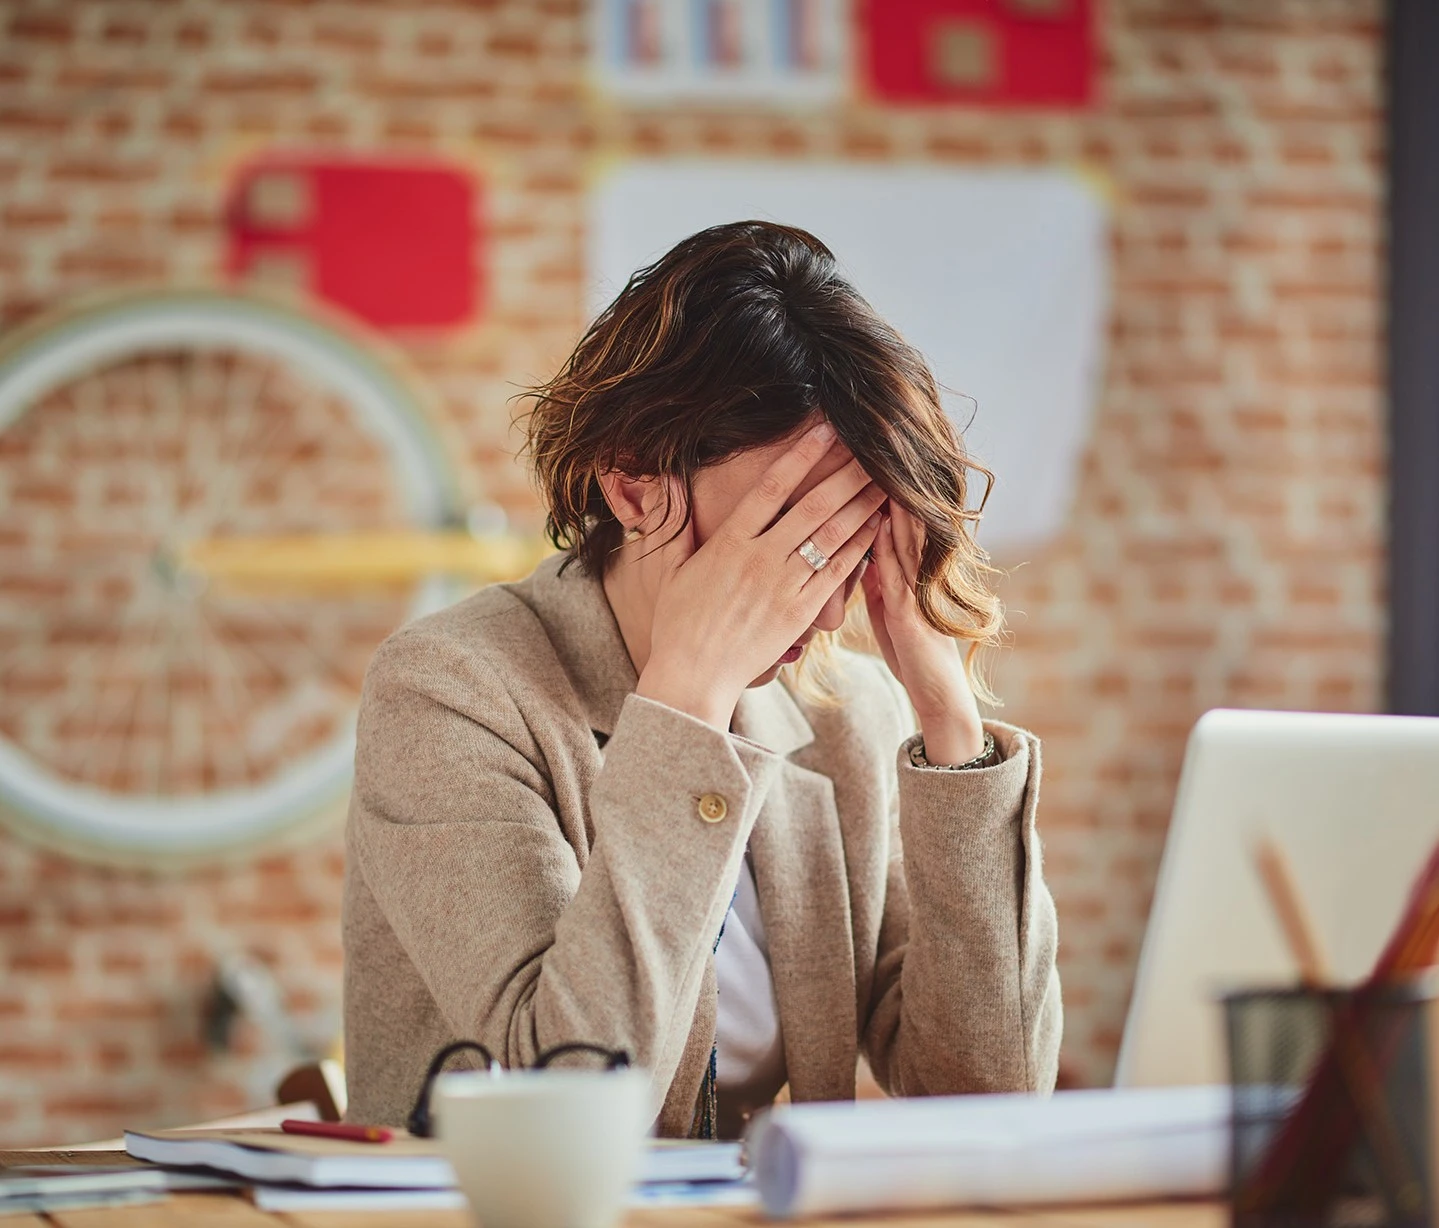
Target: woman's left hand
(927,662)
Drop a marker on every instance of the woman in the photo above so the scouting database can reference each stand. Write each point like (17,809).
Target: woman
(584,808)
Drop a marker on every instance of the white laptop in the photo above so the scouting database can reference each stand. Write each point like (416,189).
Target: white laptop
(1353,801)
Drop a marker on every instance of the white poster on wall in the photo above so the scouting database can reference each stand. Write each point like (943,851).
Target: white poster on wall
(1000,277)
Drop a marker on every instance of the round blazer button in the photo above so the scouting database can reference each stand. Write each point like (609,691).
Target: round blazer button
(713,808)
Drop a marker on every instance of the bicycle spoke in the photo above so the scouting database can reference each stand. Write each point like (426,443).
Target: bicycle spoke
(137,695)
(129,616)
(281,664)
(152,465)
(169,415)
(162,757)
(204,433)
(117,714)
(172,396)
(233,680)
(346,684)
(234,467)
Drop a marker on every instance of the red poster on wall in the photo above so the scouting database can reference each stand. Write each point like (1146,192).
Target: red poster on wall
(987,52)
(396,243)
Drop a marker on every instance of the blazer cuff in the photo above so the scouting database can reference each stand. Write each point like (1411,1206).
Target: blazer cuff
(668,761)
(975,798)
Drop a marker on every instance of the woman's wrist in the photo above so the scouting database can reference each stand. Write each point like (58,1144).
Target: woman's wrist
(951,741)
(676,690)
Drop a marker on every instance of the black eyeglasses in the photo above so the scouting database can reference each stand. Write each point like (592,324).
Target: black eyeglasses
(420,1123)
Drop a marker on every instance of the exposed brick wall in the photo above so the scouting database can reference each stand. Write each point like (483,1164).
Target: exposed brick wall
(1226,546)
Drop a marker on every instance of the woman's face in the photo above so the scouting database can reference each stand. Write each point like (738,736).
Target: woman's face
(719,487)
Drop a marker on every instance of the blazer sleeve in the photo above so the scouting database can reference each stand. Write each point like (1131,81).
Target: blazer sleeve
(525,941)
(966,995)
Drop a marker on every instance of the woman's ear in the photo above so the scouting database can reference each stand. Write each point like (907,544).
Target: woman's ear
(630,499)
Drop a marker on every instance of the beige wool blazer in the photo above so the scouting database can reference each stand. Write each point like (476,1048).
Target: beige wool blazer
(528,864)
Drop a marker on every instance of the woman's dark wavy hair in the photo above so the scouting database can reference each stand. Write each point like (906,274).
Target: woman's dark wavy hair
(732,340)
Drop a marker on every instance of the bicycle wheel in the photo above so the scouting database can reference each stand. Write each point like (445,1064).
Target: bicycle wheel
(145,715)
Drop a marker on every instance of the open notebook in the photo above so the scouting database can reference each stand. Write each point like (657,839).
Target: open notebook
(271,1156)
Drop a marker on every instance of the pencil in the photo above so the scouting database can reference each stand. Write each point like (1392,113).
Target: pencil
(1289,909)
(338,1129)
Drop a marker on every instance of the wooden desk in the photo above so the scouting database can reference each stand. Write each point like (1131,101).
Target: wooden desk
(235,1211)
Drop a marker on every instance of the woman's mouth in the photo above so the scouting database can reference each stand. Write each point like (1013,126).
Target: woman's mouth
(792,655)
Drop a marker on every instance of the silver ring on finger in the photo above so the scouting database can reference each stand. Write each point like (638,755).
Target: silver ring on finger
(813,555)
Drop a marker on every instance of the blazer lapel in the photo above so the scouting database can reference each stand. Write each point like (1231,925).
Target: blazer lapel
(572,606)
(798,857)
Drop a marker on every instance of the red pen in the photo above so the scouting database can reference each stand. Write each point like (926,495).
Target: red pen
(338,1129)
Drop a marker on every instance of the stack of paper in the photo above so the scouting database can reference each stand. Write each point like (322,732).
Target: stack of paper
(295,1172)
(1073,1147)
(66,1187)
(29,1190)
(270,1155)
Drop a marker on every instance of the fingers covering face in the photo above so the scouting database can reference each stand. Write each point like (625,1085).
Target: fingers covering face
(846,558)
(846,522)
(821,513)
(908,542)
(759,508)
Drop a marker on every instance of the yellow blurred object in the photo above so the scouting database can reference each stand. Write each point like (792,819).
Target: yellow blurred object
(357,560)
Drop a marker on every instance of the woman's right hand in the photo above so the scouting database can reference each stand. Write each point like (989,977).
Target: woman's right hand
(727,610)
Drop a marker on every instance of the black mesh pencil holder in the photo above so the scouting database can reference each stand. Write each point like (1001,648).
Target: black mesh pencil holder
(1331,1120)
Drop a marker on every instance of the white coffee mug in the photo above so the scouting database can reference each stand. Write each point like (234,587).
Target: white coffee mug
(544,1148)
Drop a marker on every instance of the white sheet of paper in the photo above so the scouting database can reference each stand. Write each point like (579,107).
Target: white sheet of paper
(1000,277)
(991,1150)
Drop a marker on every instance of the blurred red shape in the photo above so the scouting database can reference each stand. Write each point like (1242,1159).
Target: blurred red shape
(988,52)
(395,243)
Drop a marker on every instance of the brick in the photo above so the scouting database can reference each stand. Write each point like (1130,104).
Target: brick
(124,32)
(334,36)
(440,43)
(154,914)
(40,960)
(31,121)
(183,124)
(47,1057)
(114,1010)
(102,171)
(267,83)
(328,127)
(48,216)
(120,219)
(192,35)
(112,76)
(114,126)
(191,219)
(1167,108)
(40,27)
(110,264)
(113,1058)
(862,144)
(515,45)
(961,148)
(389,87)
(410,131)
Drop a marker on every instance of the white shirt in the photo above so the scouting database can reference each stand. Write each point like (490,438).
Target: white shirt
(750,1067)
